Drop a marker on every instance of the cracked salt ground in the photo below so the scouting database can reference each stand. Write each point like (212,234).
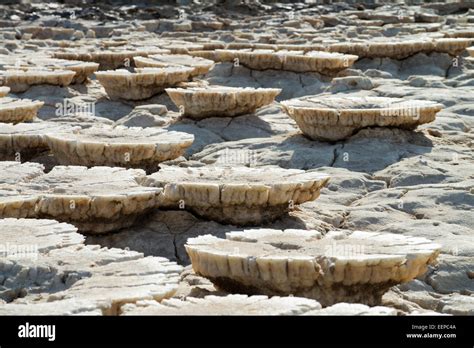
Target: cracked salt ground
(387,178)
(63,276)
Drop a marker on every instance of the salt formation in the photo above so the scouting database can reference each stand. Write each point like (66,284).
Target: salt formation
(224,305)
(18,110)
(142,84)
(471,51)
(219,101)
(19,80)
(118,146)
(342,266)
(4,91)
(249,305)
(82,69)
(237,195)
(96,200)
(24,141)
(201,66)
(401,49)
(298,61)
(109,58)
(51,269)
(13,172)
(327,117)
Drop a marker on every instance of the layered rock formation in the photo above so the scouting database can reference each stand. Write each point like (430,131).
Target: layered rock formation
(220,101)
(96,200)
(118,146)
(142,84)
(18,110)
(334,118)
(237,195)
(343,266)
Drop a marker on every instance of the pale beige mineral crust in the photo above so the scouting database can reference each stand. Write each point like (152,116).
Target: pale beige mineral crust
(250,305)
(119,146)
(224,305)
(237,195)
(4,91)
(328,63)
(342,266)
(220,101)
(15,172)
(108,59)
(82,69)
(401,49)
(470,50)
(142,84)
(327,117)
(51,271)
(18,110)
(23,141)
(201,66)
(19,80)
(96,200)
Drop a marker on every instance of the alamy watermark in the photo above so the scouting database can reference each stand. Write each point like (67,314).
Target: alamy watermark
(407,109)
(69,108)
(19,251)
(238,157)
(335,249)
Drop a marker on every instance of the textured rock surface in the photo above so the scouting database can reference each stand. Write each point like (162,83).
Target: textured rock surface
(401,49)
(237,195)
(108,58)
(62,276)
(96,200)
(18,110)
(227,305)
(23,141)
(341,267)
(118,146)
(218,101)
(142,84)
(383,179)
(21,80)
(82,69)
(200,65)
(335,118)
(297,61)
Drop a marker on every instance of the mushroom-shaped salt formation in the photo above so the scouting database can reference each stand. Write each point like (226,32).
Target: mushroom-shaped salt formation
(82,69)
(224,305)
(202,102)
(333,118)
(19,80)
(96,200)
(18,110)
(237,195)
(343,266)
(328,63)
(118,146)
(142,84)
(107,59)
(401,49)
(23,141)
(75,272)
(4,91)
(201,66)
